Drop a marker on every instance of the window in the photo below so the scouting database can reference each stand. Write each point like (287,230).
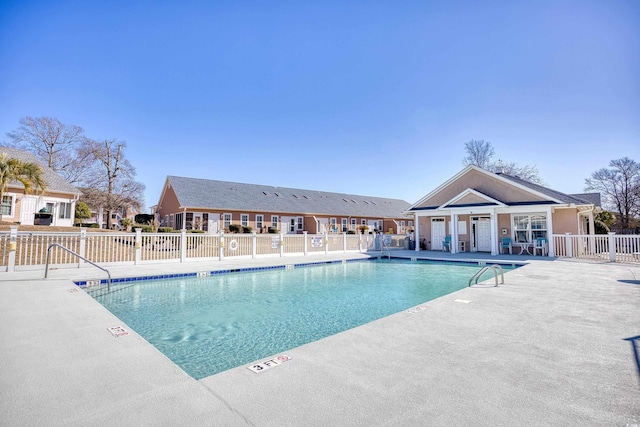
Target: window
(259,221)
(300,223)
(333,225)
(226,220)
(274,221)
(527,228)
(189,225)
(7,205)
(65,210)
(171,220)
(205,221)
(344,225)
(353,223)
(178,225)
(244,220)
(50,207)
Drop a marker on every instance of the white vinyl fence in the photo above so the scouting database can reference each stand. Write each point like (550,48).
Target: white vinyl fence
(28,250)
(600,247)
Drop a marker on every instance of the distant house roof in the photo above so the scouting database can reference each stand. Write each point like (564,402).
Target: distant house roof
(55,183)
(221,195)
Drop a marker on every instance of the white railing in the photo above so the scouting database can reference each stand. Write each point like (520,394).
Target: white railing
(599,247)
(28,250)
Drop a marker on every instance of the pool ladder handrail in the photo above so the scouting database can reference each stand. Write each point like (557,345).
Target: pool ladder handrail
(384,247)
(494,267)
(46,266)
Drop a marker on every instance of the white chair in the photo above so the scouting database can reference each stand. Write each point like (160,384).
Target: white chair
(542,245)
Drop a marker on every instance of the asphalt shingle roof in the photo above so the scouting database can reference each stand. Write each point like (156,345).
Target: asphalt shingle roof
(54,181)
(578,199)
(212,194)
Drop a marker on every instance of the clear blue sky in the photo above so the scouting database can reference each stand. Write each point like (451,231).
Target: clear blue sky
(364,97)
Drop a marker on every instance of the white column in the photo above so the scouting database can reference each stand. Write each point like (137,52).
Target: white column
(494,232)
(454,233)
(183,245)
(550,239)
(416,226)
(138,245)
(83,247)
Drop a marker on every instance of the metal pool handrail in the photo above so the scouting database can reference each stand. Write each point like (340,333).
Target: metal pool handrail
(46,266)
(495,268)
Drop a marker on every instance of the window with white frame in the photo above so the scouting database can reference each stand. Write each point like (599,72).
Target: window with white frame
(300,223)
(171,220)
(333,225)
(244,220)
(226,220)
(353,223)
(344,225)
(259,221)
(64,210)
(274,221)
(7,205)
(527,228)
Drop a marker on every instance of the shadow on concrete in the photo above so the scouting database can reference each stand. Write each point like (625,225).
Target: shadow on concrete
(631,282)
(635,343)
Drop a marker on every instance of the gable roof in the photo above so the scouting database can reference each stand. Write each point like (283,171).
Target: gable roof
(221,195)
(576,199)
(55,183)
(537,194)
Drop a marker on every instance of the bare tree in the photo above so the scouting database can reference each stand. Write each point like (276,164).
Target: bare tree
(52,142)
(111,179)
(480,153)
(619,186)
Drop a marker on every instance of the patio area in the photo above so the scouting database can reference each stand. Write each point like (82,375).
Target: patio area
(557,344)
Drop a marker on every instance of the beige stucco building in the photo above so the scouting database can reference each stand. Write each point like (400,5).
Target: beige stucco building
(477,209)
(59,198)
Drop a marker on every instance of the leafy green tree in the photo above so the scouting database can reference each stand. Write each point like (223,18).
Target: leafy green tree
(82,212)
(619,187)
(28,173)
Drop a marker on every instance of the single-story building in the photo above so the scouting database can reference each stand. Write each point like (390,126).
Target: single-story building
(211,206)
(476,209)
(55,206)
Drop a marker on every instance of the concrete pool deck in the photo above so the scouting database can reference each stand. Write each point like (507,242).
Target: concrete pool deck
(557,344)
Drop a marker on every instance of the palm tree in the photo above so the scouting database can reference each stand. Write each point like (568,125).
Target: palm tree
(28,173)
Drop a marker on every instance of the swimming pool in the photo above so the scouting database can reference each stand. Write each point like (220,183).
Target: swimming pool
(207,325)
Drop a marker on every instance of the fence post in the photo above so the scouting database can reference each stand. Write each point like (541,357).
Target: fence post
(326,242)
(304,244)
(13,239)
(281,245)
(83,245)
(254,244)
(344,242)
(183,245)
(138,246)
(221,246)
(612,246)
(568,245)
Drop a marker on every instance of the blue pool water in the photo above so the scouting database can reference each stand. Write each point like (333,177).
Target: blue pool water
(207,325)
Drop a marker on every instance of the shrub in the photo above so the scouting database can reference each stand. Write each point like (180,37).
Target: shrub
(165,230)
(246,229)
(351,232)
(196,231)
(234,228)
(143,218)
(273,230)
